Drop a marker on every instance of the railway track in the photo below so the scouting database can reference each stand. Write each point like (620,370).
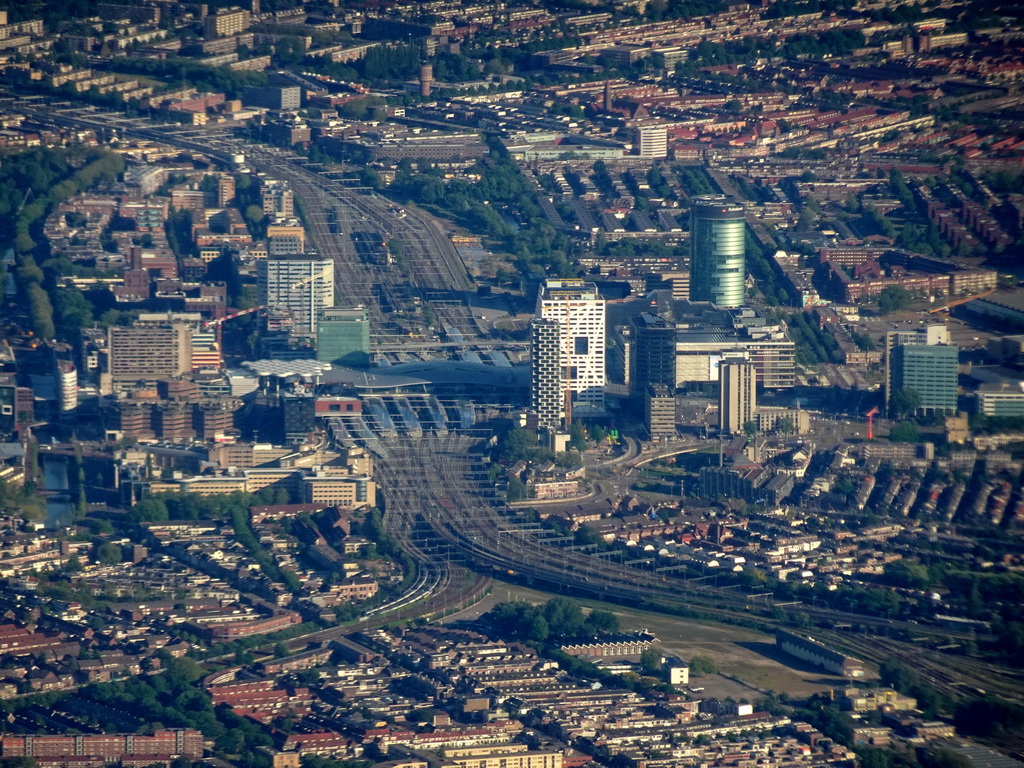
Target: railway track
(442,485)
(436,494)
(434,264)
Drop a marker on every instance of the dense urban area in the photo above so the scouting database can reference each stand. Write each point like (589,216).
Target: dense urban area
(556,384)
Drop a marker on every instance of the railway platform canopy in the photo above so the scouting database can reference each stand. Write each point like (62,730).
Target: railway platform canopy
(444,378)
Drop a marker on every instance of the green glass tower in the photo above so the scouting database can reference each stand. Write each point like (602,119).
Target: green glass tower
(343,337)
(717,251)
(929,370)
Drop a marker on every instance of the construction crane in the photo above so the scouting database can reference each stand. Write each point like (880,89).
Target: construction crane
(958,302)
(216,323)
(325,273)
(871,422)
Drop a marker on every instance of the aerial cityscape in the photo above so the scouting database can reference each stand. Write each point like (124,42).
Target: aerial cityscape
(541,384)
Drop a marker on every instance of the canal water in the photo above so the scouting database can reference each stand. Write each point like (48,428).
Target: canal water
(59,508)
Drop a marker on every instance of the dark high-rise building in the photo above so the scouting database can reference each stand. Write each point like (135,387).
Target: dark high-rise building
(718,250)
(547,381)
(298,416)
(287,98)
(653,353)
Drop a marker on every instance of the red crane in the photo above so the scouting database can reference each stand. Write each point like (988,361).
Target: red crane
(871,421)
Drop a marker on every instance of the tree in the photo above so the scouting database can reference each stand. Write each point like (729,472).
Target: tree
(650,661)
(602,621)
(108,553)
(943,757)
(538,628)
(750,428)
(253,217)
(149,510)
(516,489)
(42,312)
(564,616)
(702,665)
(893,298)
(905,401)
(577,437)
(904,432)
(518,444)
(907,574)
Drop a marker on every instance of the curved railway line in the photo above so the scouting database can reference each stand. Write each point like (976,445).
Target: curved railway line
(440,484)
(441,506)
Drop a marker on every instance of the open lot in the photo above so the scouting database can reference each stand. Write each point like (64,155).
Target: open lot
(747,656)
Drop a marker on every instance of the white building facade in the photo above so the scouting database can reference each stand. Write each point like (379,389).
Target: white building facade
(303,285)
(580,312)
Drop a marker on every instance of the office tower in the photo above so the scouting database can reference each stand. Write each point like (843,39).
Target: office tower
(737,396)
(206,352)
(929,370)
(547,382)
(8,404)
(343,337)
(302,284)
(149,352)
(652,353)
(277,199)
(660,412)
(717,251)
(902,369)
(284,99)
(66,377)
(746,335)
(214,419)
(580,312)
(285,245)
(652,141)
(676,282)
(227,21)
(225,191)
(298,416)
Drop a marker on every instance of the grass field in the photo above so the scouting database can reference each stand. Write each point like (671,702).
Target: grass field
(743,654)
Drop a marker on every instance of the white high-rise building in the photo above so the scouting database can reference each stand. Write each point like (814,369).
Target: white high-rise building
(737,397)
(580,312)
(547,383)
(652,141)
(302,284)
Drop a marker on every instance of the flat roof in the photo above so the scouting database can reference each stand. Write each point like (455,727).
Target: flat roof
(307,369)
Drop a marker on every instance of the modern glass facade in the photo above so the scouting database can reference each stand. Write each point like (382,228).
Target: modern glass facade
(343,337)
(931,371)
(718,251)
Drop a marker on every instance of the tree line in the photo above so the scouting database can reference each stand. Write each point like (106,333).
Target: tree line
(31,185)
